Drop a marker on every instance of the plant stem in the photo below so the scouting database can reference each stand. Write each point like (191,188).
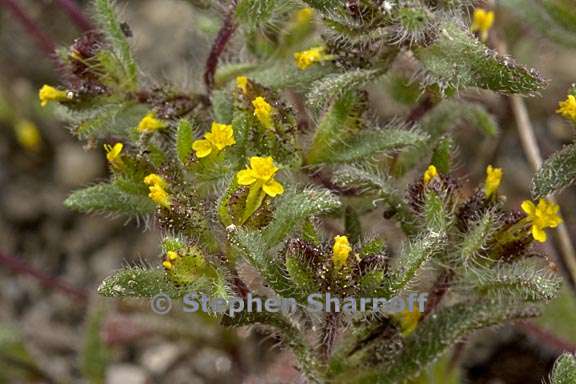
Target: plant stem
(224,35)
(21,267)
(75,14)
(44,41)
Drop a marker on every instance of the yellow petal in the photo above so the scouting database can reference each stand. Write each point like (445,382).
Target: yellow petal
(245,177)
(150,123)
(430,173)
(48,93)
(538,234)
(528,207)
(273,188)
(202,148)
(263,167)
(340,251)
(154,179)
(242,84)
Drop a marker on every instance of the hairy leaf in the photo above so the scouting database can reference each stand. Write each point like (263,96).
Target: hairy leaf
(557,172)
(109,198)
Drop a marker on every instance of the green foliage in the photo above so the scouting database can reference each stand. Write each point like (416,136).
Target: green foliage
(95,353)
(109,198)
(107,20)
(138,282)
(184,139)
(458,60)
(16,364)
(557,172)
(564,371)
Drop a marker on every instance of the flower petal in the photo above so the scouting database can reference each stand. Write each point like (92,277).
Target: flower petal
(273,188)
(202,148)
(245,177)
(539,234)
(528,207)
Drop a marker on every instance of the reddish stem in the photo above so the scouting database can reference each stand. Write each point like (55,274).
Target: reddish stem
(19,266)
(546,337)
(224,35)
(43,40)
(75,14)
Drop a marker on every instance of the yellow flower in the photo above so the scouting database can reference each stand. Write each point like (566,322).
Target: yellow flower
(430,173)
(305,59)
(219,137)
(493,179)
(261,171)
(28,135)
(154,179)
(150,123)
(263,112)
(113,154)
(340,251)
(304,15)
(482,21)
(172,255)
(157,190)
(242,84)
(49,93)
(567,108)
(159,195)
(408,320)
(167,264)
(541,216)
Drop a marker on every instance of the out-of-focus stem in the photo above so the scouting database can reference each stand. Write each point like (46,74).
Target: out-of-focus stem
(75,14)
(43,40)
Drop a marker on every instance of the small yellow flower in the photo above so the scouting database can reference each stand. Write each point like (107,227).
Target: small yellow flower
(263,112)
(219,137)
(159,195)
(172,255)
(567,108)
(430,173)
(493,180)
(28,135)
(48,93)
(305,59)
(157,190)
(167,264)
(408,320)
(261,171)
(113,154)
(541,216)
(154,179)
(304,15)
(482,21)
(242,84)
(340,251)
(150,123)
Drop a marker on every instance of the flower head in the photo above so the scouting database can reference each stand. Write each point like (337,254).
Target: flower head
(304,15)
(261,171)
(28,135)
(493,180)
(157,190)
(567,108)
(305,59)
(113,154)
(49,93)
(430,173)
(263,112)
(150,123)
(242,84)
(482,21)
(171,256)
(219,137)
(541,216)
(340,251)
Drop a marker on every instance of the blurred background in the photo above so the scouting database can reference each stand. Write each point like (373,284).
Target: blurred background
(52,260)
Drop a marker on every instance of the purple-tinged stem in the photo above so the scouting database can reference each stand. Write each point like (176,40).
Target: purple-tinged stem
(44,41)
(224,35)
(20,267)
(75,14)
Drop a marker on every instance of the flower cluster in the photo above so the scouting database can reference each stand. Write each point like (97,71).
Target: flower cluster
(157,187)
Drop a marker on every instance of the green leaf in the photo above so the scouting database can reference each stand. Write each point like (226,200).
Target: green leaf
(335,85)
(16,364)
(108,21)
(184,140)
(287,75)
(564,371)
(557,172)
(458,60)
(95,354)
(139,282)
(434,336)
(109,198)
(293,208)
